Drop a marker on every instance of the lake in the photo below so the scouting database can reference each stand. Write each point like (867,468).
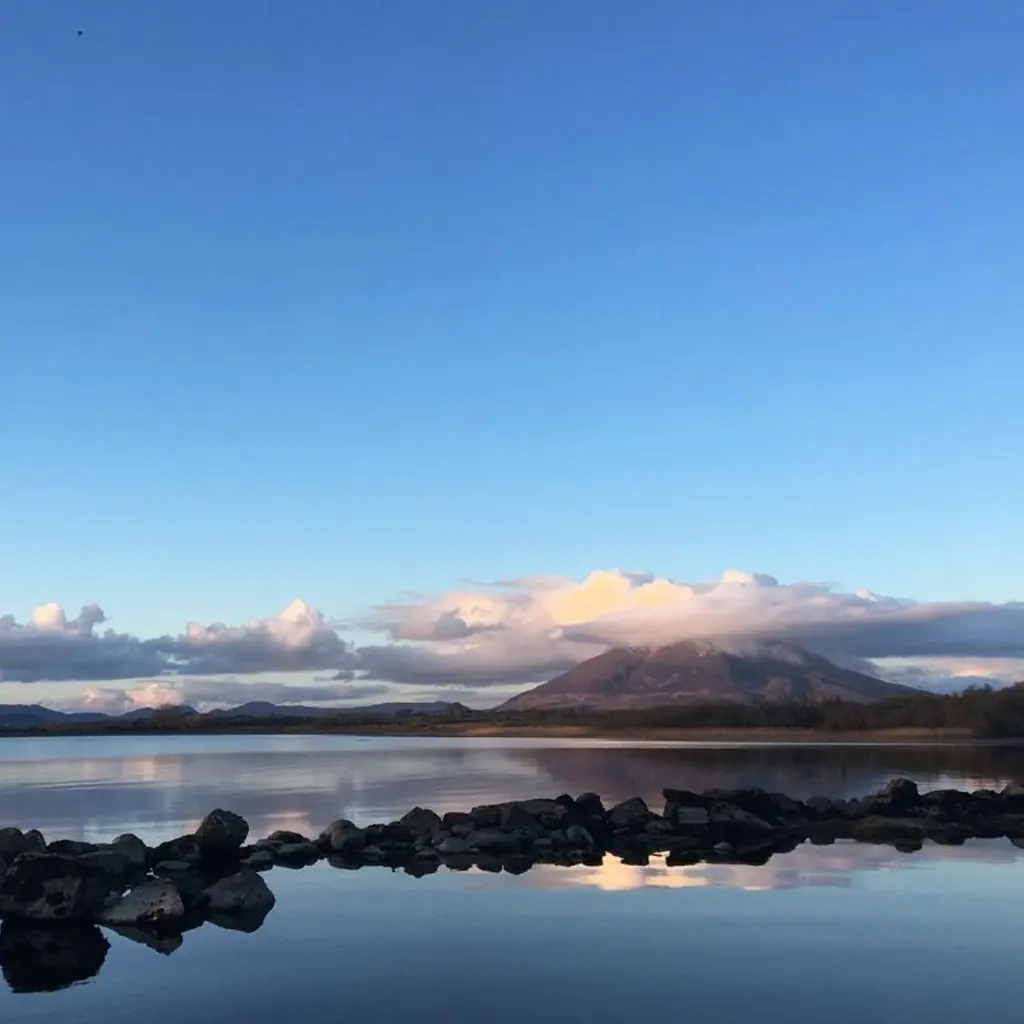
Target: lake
(835,933)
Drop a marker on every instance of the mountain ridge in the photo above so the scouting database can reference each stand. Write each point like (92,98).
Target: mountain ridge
(691,671)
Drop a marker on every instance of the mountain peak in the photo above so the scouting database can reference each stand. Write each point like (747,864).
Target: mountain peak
(707,669)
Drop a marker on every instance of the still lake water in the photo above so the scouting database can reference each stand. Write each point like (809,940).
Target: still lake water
(838,933)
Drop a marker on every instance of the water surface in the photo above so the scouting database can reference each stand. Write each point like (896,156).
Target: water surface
(838,933)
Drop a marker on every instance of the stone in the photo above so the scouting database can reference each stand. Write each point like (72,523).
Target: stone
(12,843)
(455,818)
(494,841)
(34,841)
(244,893)
(300,854)
(133,848)
(550,813)
(733,823)
(821,808)
(421,821)
(113,863)
(51,887)
(515,818)
(156,902)
(631,814)
(724,849)
(391,834)
(579,838)
(659,827)
(486,816)
(454,846)
(71,848)
(284,836)
(690,818)
(258,860)
(221,832)
(342,837)
(1012,794)
(183,849)
(898,798)
(36,958)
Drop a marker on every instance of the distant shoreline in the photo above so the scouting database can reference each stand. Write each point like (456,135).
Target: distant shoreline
(471,730)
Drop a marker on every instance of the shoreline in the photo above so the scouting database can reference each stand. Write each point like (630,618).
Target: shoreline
(759,736)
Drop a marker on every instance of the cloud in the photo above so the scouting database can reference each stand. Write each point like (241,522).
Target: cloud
(530,629)
(203,694)
(524,631)
(51,647)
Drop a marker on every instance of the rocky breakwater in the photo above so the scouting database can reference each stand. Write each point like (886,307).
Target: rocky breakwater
(214,875)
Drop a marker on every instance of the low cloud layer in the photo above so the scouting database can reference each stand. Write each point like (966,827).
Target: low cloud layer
(496,638)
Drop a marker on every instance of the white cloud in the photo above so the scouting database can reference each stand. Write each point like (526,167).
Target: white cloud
(525,631)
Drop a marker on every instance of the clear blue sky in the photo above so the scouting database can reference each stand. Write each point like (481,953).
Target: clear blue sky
(336,300)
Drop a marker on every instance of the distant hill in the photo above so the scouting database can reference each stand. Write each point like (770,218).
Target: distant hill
(33,716)
(689,671)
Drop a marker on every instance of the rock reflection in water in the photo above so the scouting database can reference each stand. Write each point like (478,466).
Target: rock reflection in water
(40,958)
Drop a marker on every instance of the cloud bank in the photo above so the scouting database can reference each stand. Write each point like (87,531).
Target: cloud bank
(491,638)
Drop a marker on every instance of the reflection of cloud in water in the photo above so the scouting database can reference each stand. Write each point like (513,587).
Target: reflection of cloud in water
(835,866)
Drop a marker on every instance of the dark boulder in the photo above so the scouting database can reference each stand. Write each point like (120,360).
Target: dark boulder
(899,798)
(50,887)
(284,836)
(342,837)
(516,818)
(630,815)
(221,832)
(486,816)
(184,849)
(421,822)
(494,841)
(239,902)
(133,848)
(155,903)
(71,848)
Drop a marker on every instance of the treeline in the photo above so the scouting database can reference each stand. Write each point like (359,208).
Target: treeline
(982,712)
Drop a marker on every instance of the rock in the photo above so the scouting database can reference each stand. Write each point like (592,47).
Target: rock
(342,837)
(898,798)
(259,860)
(421,822)
(291,854)
(71,848)
(486,816)
(1012,794)
(12,843)
(490,863)
(51,887)
(820,808)
(392,834)
(659,827)
(221,832)
(36,958)
(455,818)
(34,841)
(113,863)
(690,818)
(631,814)
(515,818)
(776,809)
(453,846)
(156,902)
(550,813)
(184,848)
(244,893)
(579,838)
(284,836)
(492,840)
(133,848)
(734,824)
(724,849)
(887,829)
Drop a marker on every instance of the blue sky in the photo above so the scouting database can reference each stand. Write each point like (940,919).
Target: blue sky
(346,301)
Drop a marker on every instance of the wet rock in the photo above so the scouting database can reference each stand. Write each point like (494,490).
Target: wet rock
(50,887)
(244,895)
(486,816)
(421,822)
(289,854)
(221,832)
(388,835)
(579,838)
(133,848)
(631,814)
(657,826)
(734,824)
(821,808)
(71,848)
(515,818)
(494,841)
(156,902)
(900,797)
(183,849)
(454,846)
(284,836)
(259,860)
(690,819)
(1012,794)
(113,863)
(34,841)
(774,808)
(551,814)
(342,837)
(724,849)
(34,958)
(454,819)
(12,843)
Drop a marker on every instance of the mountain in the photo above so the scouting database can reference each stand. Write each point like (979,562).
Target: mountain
(643,677)
(33,716)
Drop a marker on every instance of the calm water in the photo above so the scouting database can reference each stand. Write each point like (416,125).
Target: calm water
(839,933)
